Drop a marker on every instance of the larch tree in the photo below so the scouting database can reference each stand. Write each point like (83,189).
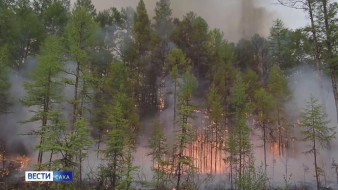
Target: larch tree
(316,132)
(184,163)
(309,7)
(111,174)
(177,63)
(215,112)
(279,40)
(221,73)
(278,88)
(159,149)
(326,14)
(80,36)
(117,173)
(263,104)
(43,91)
(240,130)
(261,58)
(4,80)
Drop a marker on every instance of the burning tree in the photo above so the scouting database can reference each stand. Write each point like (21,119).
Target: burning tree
(184,163)
(316,131)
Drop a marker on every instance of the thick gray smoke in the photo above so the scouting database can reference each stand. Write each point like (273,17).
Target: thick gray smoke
(236,18)
(13,133)
(303,82)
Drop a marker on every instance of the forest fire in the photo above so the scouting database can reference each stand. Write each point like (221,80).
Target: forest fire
(13,164)
(169,94)
(23,161)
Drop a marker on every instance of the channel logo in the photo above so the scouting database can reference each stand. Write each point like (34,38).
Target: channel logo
(48,176)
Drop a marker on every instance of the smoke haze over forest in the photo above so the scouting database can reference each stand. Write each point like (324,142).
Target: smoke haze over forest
(236,18)
(146,94)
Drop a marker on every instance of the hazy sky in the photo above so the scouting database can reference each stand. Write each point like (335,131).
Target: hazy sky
(236,18)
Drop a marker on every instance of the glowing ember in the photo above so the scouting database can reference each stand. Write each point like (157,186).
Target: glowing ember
(275,149)
(23,161)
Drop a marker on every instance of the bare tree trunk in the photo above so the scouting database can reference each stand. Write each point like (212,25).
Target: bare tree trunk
(74,117)
(264,145)
(315,158)
(316,49)
(174,122)
(330,54)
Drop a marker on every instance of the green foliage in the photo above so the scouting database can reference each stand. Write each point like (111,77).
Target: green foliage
(141,28)
(117,173)
(238,142)
(253,178)
(45,86)
(184,134)
(278,85)
(281,53)
(129,170)
(30,31)
(158,145)
(55,18)
(194,30)
(90,8)
(314,125)
(250,78)
(263,103)
(81,137)
(177,61)
(4,80)
(163,21)
(215,102)
(80,34)
(316,131)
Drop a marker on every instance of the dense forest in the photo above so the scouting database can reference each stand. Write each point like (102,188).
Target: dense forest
(129,101)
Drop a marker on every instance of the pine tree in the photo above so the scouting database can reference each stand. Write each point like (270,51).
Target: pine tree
(316,131)
(43,91)
(141,44)
(162,19)
(191,35)
(30,29)
(88,5)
